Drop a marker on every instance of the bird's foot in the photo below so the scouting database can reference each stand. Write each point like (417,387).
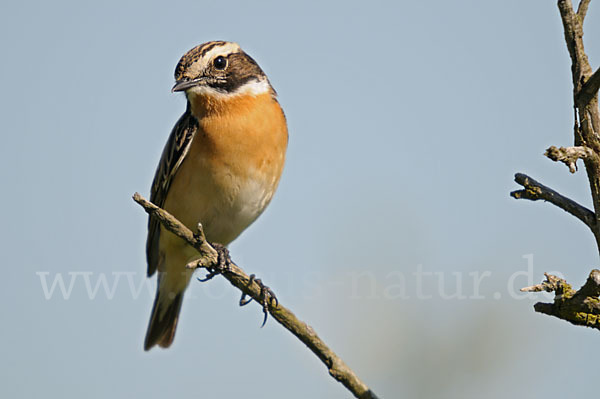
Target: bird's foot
(267,297)
(223,262)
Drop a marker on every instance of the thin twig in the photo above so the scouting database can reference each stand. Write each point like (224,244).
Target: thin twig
(582,9)
(238,278)
(536,191)
(550,285)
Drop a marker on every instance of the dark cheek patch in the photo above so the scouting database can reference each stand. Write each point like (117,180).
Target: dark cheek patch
(241,70)
(231,85)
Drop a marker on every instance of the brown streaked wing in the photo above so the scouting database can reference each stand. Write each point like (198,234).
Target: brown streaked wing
(173,155)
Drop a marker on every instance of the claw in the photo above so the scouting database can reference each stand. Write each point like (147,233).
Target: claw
(243,300)
(267,296)
(209,276)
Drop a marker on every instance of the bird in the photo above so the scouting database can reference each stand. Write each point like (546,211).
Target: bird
(220,167)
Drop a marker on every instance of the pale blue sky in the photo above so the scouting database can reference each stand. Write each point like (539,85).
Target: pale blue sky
(407,122)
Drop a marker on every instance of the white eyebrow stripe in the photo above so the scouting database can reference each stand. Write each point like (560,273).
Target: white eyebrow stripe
(222,49)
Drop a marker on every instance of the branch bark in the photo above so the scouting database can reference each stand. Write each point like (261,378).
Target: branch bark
(581,307)
(239,279)
(589,89)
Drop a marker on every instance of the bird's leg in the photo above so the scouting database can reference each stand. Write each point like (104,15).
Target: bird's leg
(223,262)
(267,297)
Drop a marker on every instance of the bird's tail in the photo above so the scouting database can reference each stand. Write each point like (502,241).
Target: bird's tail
(163,320)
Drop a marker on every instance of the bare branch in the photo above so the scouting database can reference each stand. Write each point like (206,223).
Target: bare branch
(587,114)
(536,191)
(569,155)
(582,9)
(238,278)
(589,89)
(581,307)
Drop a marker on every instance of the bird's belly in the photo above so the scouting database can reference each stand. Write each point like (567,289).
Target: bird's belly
(224,202)
(235,206)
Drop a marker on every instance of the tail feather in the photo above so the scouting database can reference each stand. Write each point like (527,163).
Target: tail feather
(163,321)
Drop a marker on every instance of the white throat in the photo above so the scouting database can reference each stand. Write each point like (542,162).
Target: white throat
(252,87)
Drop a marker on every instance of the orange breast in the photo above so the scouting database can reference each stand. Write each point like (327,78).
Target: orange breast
(247,134)
(233,166)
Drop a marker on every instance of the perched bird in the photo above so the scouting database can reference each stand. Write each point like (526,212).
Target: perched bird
(220,167)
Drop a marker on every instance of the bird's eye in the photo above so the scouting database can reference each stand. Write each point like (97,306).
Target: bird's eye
(220,63)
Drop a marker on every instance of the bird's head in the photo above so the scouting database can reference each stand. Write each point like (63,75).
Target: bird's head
(218,69)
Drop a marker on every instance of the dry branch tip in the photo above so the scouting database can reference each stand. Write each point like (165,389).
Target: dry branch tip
(569,155)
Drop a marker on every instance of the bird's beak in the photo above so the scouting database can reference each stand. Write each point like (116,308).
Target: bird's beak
(183,85)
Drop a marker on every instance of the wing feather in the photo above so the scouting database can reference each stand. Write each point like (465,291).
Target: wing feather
(173,155)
